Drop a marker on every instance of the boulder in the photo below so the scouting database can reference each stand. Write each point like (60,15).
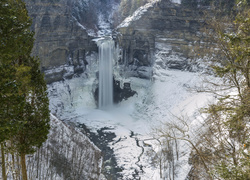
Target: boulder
(119,94)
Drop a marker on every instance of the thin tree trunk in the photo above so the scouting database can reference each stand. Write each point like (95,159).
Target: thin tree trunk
(18,167)
(24,170)
(38,158)
(13,166)
(3,163)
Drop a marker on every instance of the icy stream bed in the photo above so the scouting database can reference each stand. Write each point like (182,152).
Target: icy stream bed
(135,146)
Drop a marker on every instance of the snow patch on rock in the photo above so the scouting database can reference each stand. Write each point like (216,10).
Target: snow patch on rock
(176,1)
(137,14)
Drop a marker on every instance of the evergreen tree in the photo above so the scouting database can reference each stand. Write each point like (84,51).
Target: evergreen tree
(24,113)
(225,145)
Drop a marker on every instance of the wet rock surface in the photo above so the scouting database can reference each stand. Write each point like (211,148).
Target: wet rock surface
(119,94)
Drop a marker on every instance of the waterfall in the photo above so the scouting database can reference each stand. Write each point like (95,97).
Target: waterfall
(106,55)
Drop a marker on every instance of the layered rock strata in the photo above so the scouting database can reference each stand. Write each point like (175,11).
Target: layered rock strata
(59,38)
(165,30)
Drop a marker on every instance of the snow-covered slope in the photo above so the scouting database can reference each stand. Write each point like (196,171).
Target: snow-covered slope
(169,94)
(136,148)
(67,154)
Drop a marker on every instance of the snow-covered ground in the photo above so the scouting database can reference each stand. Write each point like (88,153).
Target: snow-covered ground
(169,95)
(135,146)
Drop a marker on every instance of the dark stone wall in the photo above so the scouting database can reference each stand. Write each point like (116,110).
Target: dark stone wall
(172,25)
(59,38)
(119,94)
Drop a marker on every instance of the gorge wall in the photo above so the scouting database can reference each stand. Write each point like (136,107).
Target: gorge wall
(61,38)
(166,30)
(64,32)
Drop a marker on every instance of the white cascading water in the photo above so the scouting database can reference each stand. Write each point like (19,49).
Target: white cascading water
(106,55)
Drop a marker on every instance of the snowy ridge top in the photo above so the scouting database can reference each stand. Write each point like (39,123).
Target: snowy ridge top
(137,14)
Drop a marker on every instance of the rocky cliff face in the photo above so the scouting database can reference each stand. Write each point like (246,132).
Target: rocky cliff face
(65,30)
(59,38)
(166,30)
